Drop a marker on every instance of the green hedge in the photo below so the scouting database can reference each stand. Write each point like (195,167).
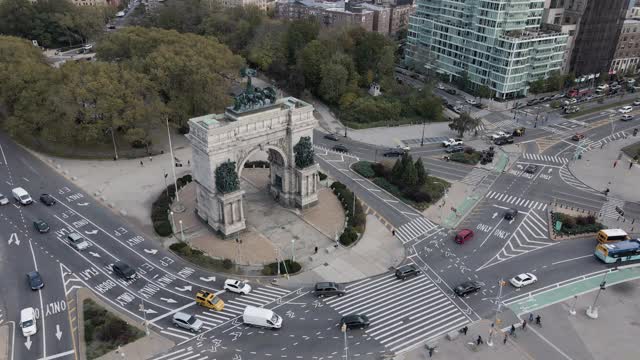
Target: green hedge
(286,267)
(466,158)
(199,258)
(105,332)
(322,176)
(160,208)
(356,223)
(364,168)
(574,225)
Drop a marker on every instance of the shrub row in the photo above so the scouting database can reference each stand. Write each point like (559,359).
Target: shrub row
(573,225)
(322,176)
(356,217)
(286,267)
(198,257)
(160,207)
(466,157)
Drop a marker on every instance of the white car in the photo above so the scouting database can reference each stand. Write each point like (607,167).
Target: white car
(3,200)
(452,142)
(625,109)
(523,280)
(404,147)
(237,286)
(28,322)
(77,241)
(499,135)
(636,102)
(440,86)
(471,101)
(570,101)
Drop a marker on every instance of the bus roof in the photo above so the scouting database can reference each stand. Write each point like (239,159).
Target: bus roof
(614,232)
(623,245)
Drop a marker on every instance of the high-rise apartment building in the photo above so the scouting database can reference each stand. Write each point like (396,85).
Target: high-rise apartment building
(497,43)
(593,27)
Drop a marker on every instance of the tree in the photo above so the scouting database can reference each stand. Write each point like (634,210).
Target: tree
(397,171)
(555,81)
(267,48)
(303,151)
(484,92)
(310,62)
(537,86)
(299,34)
(463,123)
(428,106)
(226,177)
(334,82)
(420,172)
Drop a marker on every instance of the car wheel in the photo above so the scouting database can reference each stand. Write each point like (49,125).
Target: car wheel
(192,330)
(320,295)
(340,295)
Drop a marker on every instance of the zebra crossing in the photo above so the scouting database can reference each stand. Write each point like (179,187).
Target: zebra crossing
(572,181)
(505,124)
(548,158)
(427,140)
(590,145)
(517,201)
(562,132)
(475,176)
(402,313)
(609,208)
(413,229)
(233,308)
(532,234)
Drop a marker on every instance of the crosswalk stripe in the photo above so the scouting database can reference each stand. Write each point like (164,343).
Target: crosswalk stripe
(176,335)
(351,302)
(244,301)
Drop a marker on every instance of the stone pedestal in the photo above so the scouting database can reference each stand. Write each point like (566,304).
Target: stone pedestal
(231,213)
(307,186)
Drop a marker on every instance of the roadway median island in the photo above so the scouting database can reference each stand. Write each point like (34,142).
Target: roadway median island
(597,109)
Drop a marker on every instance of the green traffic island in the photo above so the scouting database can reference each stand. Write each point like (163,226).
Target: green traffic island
(287,267)
(104,331)
(355,224)
(469,156)
(405,179)
(571,226)
(201,259)
(162,206)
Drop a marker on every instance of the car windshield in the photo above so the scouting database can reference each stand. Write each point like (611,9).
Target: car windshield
(27,323)
(274,319)
(192,320)
(24,197)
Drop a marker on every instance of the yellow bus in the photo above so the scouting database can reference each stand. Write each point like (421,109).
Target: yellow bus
(609,235)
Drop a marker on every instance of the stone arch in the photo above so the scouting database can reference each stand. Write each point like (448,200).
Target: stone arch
(261,147)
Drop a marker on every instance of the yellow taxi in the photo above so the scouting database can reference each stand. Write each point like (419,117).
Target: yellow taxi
(209,300)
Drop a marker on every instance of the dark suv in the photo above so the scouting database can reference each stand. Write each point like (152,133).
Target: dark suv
(407,271)
(328,289)
(125,271)
(510,214)
(467,287)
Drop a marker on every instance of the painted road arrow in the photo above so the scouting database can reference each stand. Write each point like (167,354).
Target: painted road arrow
(149,311)
(83,204)
(184,288)
(519,166)
(170,301)
(494,215)
(94,254)
(92,232)
(208,279)
(28,343)
(58,332)
(152,252)
(14,238)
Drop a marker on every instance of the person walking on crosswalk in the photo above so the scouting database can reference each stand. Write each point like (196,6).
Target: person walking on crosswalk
(506,336)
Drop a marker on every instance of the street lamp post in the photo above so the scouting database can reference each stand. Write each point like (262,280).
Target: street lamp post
(501,284)
(293,250)
(178,206)
(173,221)
(181,231)
(115,149)
(592,310)
(144,313)
(422,139)
(343,328)
(572,311)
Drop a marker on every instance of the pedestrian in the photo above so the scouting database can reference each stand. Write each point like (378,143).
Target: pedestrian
(188,162)
(524,324)
(393,232)
(630,164)
(538,320)
(601,145)
(315,250)
(530,317)
(141,163)
(513,329)
(150,158)
(430,351)
(615,163)
(506,336)
(464,330)
(479,340)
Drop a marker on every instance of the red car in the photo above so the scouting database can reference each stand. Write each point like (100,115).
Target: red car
(463,236)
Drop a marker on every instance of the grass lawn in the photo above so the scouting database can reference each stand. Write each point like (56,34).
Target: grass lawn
(632,150)
(201,259)
(597,108)
(104,331)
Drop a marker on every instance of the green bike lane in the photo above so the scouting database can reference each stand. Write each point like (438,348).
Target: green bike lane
(529,302)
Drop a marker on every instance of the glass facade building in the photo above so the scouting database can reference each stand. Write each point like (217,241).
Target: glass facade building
(497,43)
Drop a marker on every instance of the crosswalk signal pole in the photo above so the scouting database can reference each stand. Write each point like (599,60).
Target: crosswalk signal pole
(346,346)
(501,284)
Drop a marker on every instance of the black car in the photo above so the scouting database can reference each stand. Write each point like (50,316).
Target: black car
(531,169)
(451,91)
(407,271)
(355,321)
(454,149)
(111,26)
(393,153)
(41,226)
(340,148)
(533,102)
(35,280)
(328,289)
(467,287)
(47,199)
(503,140)
(124,270)
(510,214)
(332,137)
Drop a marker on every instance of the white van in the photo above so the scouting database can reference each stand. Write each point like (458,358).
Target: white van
(22,196)
(28,322)
(120,14)
(261,317)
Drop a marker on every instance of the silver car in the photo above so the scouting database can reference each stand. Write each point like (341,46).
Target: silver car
(3,200)
(187,321)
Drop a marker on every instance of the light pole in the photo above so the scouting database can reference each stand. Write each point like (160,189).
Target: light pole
(115,149)
(293,250)
(592,310)
(181,230)
(165,184)
(178,207)
(173,221)
(501,284)
(572,311)
(144,313)
(343,328)
(422,139)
